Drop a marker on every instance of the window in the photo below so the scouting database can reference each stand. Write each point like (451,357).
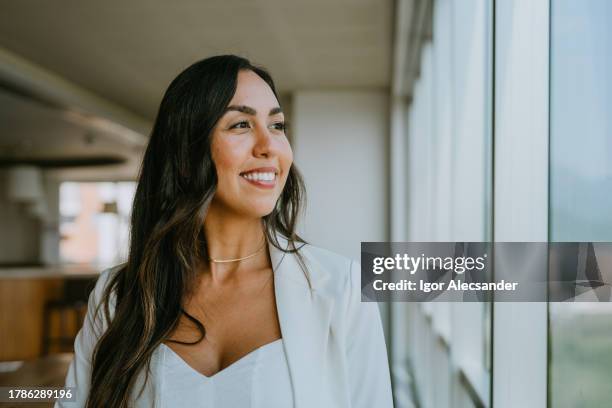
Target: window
(449,170)
(580,364)
(94,222)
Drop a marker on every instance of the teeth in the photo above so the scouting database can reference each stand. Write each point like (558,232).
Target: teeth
(255,176)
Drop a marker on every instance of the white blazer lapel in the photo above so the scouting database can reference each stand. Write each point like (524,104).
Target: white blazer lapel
(304,317)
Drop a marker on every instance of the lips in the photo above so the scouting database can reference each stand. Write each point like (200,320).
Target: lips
(263,177)
(261,170)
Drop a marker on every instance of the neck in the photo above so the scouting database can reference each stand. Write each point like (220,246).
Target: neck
(231,236)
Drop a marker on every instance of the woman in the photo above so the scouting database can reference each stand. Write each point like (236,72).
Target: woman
(221,303)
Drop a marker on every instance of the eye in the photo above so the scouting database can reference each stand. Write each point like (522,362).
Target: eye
(240,125)
(279,126)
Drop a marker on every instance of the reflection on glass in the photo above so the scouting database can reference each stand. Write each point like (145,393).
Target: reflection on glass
(581,192)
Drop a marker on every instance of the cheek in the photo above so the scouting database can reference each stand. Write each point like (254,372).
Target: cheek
(227,159)
(286,153)
(285,161)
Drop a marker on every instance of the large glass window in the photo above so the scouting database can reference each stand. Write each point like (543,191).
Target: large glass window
(581,192)
(449,196)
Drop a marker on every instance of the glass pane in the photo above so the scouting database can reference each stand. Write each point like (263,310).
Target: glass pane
(581,192)
(449,196)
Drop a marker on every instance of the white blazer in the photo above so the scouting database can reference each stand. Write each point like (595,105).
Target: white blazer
(334,343)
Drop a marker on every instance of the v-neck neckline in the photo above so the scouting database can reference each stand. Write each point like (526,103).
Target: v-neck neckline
(221,372)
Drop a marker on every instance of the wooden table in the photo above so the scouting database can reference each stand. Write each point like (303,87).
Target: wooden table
(49,371)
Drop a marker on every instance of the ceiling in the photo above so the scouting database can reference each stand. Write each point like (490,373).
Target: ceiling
(126,53)
(129,51)
(52,138)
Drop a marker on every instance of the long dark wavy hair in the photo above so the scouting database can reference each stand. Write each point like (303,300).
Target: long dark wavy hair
(176,184)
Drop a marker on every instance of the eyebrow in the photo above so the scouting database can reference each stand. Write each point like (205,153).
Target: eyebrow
(250,111)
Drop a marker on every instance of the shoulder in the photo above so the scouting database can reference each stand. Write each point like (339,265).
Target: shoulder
(96,306)
(105,279)
(327,259)
(331,272)
(106,275)
(339,277)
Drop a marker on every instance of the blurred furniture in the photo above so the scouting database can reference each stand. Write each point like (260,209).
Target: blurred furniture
(71,305)
(24,292)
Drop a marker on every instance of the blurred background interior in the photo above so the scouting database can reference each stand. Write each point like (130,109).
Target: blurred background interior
(422,120)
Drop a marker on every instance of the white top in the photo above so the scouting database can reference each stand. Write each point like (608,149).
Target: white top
(341,363)
(259,379)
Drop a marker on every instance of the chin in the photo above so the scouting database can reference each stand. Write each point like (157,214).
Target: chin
(258,210)
(263,212)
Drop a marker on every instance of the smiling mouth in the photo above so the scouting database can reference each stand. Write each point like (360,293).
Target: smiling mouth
(264,179)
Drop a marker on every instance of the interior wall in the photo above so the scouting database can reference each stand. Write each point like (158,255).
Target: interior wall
(19,231)
(340,144)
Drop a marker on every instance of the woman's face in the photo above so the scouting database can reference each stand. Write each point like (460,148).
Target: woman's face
(251,153)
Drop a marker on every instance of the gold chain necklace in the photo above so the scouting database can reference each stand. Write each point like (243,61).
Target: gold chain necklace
(239,259)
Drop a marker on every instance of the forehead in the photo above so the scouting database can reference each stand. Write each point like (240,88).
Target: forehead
(253,91)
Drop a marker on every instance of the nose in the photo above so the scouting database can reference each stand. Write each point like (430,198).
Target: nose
(263,142)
